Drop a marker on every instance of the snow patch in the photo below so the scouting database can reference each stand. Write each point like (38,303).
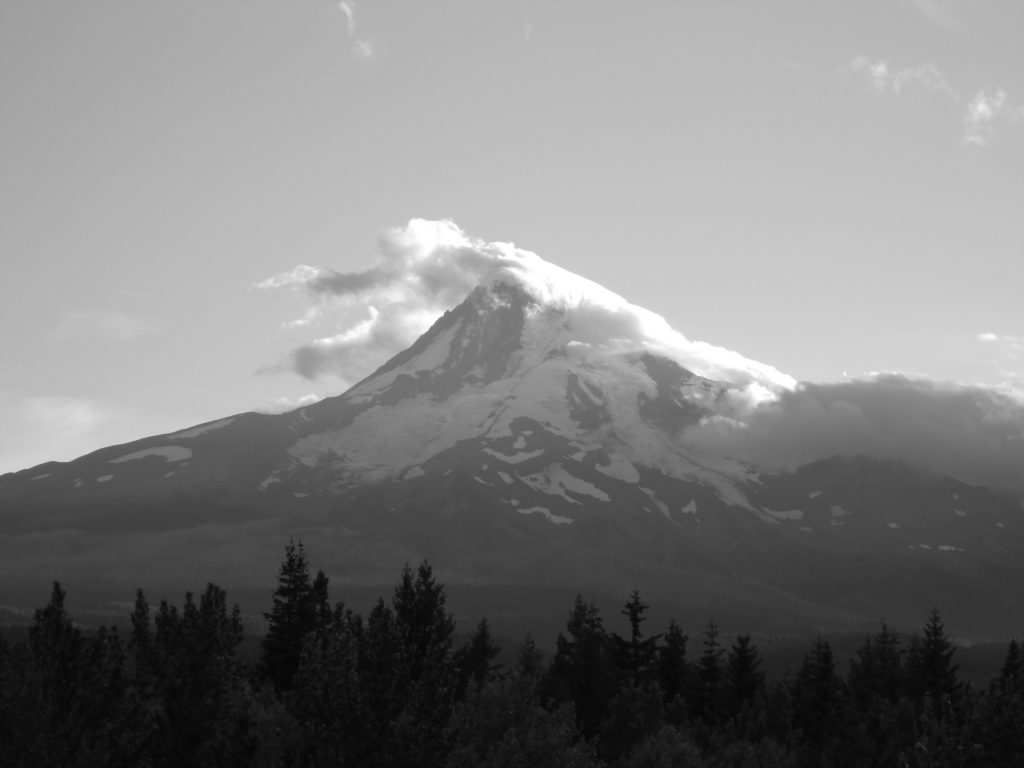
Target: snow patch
(201,430)
(837,511)
(1000,525)
(662,507)
(166,452)
(925,546)
(268,481)
(689,509)
(785,514)
(620,468)
(520,443)
(104,478)
(765,517)
(552,518)
(299,495)
(515,458)
(950,548)
(170,473)
(806,528)
(482,481)
(558,482)
(40,477)
(506,478)
(814,494)
(79,482)
(959,512)
(412,472)
(894,525)
(837,523)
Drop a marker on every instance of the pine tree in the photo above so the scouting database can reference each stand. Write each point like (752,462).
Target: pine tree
(637,656)
(380,697)
(529,659)
(816,696)
(878,670)
(581,670)
(294,614)
(930,671)
(327,693)
(423,621)
(675,673)
(706,703)
(474,661)
(1011,676)
(427,680)
(743,677)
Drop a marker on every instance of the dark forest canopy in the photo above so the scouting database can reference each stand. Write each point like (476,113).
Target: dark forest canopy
(396,687)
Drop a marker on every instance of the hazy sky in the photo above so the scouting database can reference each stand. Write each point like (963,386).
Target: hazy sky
(833,188)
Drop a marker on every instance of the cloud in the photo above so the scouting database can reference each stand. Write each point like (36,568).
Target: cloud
(427,267)
(284,404)
(981,114)
(348,9)
(971,433)
(882,78)
(362,48)
(1007,359)
(100,324)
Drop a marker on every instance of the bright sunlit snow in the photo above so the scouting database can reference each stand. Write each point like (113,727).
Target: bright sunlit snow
(166,452)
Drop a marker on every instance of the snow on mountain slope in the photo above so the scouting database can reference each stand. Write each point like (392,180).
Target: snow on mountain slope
(533,434)
(595,372)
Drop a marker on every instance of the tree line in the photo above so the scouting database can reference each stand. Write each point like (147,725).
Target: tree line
(393,688)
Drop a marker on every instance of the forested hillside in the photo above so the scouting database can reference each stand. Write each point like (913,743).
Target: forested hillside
(394,688)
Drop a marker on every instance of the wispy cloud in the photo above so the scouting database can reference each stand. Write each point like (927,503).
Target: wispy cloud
(102,325)
(884,78)
(283,404)
(1007,358)
(427,267)
(983,111)
(362,47)
(980,116)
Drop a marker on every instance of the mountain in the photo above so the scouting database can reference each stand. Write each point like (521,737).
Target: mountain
(531,443)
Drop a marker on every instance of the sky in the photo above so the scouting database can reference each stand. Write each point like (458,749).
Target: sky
(834,189)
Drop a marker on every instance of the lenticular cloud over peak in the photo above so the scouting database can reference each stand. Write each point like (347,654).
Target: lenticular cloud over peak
(427,267)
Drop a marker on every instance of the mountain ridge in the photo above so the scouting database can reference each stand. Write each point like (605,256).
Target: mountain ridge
(515,444)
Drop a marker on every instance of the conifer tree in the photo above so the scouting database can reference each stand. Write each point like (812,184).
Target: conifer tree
(296,609)
(706,703)
(675,673)
(816,696)
(475,660)
(930,668)
(637,656)
(427,680)
(327,694)
(743,677)
(529,659)
(1011,676)
(877,671)
(380,699)
(581,670)
(423,621)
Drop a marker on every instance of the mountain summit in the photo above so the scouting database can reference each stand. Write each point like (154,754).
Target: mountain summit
(534,437)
